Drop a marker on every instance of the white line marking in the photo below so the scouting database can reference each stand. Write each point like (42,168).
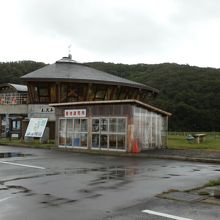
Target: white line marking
(23,165)
(2,200)
(165,215)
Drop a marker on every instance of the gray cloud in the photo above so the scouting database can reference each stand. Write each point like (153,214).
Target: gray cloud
(98,26)
(123,28)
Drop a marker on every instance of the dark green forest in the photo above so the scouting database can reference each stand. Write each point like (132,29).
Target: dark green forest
(190,93)
(11,72)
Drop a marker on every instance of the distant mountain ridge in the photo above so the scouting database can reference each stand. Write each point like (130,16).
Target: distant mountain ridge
(190,93)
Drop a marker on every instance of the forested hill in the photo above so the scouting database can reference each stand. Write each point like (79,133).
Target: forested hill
(191,94)
(11,72)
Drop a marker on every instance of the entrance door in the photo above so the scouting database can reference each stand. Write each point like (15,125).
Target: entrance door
(109,133)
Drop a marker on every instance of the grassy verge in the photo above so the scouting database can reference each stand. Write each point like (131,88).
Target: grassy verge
(215,182)
(35,143)
(212,142)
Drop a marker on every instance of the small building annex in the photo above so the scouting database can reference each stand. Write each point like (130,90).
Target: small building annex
(91,109)
(13,109)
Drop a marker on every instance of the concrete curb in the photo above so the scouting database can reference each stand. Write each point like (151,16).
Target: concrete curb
(124,154)
(141,155)
(192,159)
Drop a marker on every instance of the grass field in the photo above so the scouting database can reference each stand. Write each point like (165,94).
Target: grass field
(178,141)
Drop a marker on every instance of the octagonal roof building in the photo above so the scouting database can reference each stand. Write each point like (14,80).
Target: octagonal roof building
(69,81)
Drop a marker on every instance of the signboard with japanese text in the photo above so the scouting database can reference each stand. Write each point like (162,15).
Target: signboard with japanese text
(36,127)
(41,111)
(75,113)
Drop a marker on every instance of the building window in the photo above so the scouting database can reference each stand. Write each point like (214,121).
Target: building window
(109,133)
(122,93)
(104,124)
(106,133)
(43,93)
(95,125)
(103,141)
(15,125)
(35,94)
(112,141)
(98,92)
(73,132)
(112,124)
(63,93)
(95,140)
(72,92)
(53,93)
(121,125)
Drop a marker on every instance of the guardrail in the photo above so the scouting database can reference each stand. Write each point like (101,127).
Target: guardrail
(13,99)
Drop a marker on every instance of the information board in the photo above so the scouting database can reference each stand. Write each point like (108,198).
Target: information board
(36,127)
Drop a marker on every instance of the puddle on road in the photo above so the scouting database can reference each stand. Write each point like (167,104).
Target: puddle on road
(15,189)
(13,154)
(50,200)
(115,176)
(118,172)
(195,170)
(172,174)
(44,199)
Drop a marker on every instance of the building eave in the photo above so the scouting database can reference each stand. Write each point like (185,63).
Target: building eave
(127,101)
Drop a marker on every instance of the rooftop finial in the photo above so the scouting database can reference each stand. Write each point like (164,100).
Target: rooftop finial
(69,52)
(67,59)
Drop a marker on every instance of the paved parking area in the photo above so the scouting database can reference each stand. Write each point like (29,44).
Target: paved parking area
(48,184)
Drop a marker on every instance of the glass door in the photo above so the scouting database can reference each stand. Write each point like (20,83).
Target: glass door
(109,133)
(73,132)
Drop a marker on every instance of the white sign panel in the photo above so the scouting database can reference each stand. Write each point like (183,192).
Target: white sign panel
(36,127)
(75,113)
(41,111)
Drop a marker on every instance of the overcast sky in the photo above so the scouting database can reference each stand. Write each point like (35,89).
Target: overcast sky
(120,31)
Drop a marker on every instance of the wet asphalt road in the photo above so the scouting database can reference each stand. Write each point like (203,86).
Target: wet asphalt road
(52,185)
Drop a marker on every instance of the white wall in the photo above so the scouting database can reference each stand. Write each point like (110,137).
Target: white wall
(41,111)
(13,109)
(150,128)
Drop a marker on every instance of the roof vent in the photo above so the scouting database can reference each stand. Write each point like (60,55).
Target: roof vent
(70,56)
(66,60)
